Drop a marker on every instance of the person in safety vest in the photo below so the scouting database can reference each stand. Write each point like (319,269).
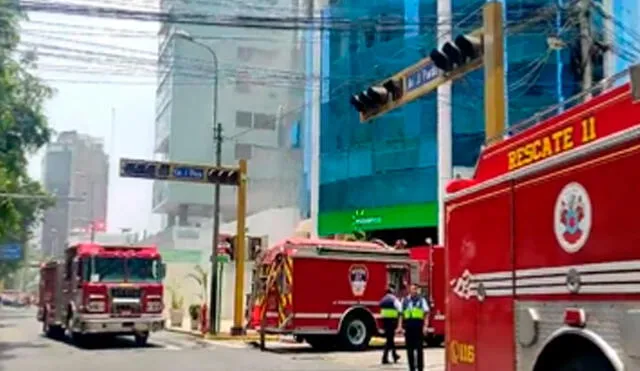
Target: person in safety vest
(390,309)
(414,312)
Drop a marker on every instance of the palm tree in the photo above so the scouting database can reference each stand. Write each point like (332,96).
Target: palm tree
(202,279)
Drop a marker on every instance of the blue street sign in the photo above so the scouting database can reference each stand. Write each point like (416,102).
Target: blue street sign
(11,251)
(131,168)
(189,173)
(421,76)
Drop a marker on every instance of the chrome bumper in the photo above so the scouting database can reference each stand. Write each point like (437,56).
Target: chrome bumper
(91,324)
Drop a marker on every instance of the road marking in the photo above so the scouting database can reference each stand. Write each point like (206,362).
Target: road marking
(228,344)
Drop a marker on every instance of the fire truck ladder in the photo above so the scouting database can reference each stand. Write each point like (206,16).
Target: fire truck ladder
(273,288)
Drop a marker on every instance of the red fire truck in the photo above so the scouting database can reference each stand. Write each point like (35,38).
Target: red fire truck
(542,247)
(102,290)
(326,292)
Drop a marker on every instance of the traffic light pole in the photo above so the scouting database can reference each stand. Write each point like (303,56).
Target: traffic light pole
(240,250)
(213,297)
(494,97)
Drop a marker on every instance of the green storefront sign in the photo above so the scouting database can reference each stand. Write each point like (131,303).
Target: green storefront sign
(402,216)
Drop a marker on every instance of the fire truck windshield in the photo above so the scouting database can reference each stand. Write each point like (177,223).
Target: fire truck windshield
(108,269)
(111,269)
(144,270)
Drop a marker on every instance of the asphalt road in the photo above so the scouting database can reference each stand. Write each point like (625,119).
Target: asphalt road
(24,348)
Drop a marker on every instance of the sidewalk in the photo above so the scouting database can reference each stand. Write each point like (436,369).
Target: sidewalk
(224,334)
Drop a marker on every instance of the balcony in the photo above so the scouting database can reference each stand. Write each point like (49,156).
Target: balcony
(160,196)
(162,143)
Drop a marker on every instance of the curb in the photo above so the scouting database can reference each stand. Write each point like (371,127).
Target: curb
(221,336)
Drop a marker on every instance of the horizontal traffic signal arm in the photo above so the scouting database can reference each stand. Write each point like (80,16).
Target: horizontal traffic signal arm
(425,76)
(181,172)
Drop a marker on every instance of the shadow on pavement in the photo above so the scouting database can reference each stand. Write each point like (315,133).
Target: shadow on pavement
(292,349)
(7,349)
(105,343)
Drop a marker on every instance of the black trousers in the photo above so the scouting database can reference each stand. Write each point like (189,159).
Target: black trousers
(414,340)
(390,325)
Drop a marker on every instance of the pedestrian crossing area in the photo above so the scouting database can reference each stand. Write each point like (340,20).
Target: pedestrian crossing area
(181,344)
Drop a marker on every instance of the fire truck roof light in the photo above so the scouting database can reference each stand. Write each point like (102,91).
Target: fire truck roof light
(575,317)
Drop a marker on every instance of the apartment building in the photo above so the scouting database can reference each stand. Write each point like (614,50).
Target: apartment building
(76,172)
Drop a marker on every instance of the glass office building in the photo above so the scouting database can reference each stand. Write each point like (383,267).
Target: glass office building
(382,175)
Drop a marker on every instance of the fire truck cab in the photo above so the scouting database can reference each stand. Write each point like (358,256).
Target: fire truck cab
(542,245)
(102,290)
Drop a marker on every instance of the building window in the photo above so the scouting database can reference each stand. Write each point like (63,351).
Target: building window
(369,36)
(264,122)
(244,119)
(243,151)
(243,82)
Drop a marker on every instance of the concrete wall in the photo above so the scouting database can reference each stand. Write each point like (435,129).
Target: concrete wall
(177,276)
(275,224)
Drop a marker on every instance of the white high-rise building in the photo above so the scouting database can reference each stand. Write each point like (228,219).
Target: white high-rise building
(76,172)
(260,81)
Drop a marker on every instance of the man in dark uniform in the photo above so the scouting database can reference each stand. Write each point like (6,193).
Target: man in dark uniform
(414,312)
(390,311)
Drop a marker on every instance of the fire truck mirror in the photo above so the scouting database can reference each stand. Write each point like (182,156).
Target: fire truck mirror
(396,278)
(162,270)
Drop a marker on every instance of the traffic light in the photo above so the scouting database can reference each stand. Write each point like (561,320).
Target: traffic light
(464,49)
(223,176)
(374,99)
(138,169)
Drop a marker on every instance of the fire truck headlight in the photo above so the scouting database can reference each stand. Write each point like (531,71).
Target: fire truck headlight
(96,306)
(154,306)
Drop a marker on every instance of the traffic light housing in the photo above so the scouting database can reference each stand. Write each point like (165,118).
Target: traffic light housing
(457,53)
(374,99)
(223,176)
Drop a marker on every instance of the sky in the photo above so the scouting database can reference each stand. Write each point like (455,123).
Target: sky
(87,107)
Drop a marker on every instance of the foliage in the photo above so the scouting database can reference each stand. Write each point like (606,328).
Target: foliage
(202,279)
(177,300)
(23,130)
(194,311)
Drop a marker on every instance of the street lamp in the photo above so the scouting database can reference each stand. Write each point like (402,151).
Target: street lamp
(217,130)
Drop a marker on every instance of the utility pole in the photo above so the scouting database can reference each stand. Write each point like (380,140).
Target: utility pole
(585,46)
(213,294)
(445,128)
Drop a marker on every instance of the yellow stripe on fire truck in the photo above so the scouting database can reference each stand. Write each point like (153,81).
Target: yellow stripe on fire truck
(289,275)
(597,278)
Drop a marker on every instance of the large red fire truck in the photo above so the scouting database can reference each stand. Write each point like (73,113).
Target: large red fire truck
(326,292)
(542,245)
(102,290)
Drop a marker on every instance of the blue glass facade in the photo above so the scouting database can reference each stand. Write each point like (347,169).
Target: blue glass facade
(392,160)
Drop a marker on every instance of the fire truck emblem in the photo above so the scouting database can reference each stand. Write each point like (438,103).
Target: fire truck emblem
(462,287)
(358,277)
(572,217)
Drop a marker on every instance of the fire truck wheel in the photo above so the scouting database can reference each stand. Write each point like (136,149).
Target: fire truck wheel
(434,340)
(141,339)
(50,331)
(586,362)
(355,333)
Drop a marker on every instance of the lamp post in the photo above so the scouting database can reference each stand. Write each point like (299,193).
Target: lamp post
(217,130)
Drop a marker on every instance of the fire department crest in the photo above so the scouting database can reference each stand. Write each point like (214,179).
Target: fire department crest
(572,217)
(358,277)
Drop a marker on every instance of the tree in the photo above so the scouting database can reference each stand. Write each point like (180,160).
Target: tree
(23,131)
